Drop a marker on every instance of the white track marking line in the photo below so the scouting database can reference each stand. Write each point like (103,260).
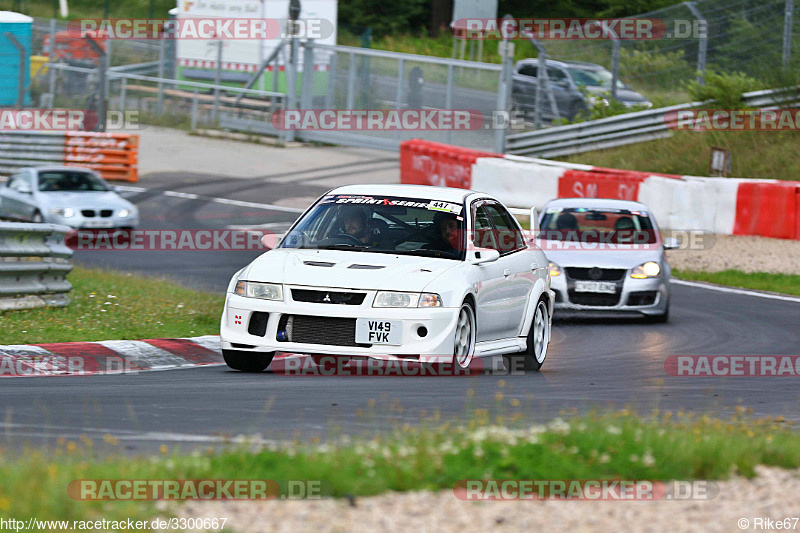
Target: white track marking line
(731,290)
(210,342)
(226,201)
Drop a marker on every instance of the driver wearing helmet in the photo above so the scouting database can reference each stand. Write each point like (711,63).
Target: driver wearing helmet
(355,225)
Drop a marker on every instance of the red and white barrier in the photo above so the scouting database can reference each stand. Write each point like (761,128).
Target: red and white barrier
(727,206)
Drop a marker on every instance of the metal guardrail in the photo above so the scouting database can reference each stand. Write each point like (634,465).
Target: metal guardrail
(625,129)
(33,148)
(34,263)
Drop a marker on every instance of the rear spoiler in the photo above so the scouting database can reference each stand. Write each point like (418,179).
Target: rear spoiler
(532,214)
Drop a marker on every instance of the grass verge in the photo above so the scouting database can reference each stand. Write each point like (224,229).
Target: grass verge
(755,154)
(110,305)
(623,445)
(761,281)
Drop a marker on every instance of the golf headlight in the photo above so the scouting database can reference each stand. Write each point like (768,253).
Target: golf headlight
(65,212)
(124,213)
(646,270)
(555,270)
(263,291)
(406,299)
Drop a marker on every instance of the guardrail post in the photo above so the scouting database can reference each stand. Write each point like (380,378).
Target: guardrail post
(787,32)
(503,90)
(217,81)
(123,94)
(161,59)
(291,81)
(51,72)
(614,68)
(703,46)
(307,89)
(448,99)
(351,82)
(330,98)
(194,110)
(541,69)
(101,115)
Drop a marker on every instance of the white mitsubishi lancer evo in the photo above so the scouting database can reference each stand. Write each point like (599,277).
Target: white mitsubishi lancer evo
(430,274)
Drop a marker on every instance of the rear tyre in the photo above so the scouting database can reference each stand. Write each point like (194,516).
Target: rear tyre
(532,359)
(247,361)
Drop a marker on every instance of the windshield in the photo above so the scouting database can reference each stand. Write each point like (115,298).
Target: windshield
(617,226)
(593,78)
(379,224)
(69,181)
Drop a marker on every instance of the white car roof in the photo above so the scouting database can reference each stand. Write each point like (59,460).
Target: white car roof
(445,194)
(597,203)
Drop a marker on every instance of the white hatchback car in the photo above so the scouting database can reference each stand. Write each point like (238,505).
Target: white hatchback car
(388,272)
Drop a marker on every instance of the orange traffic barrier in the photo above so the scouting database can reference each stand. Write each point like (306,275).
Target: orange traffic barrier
(114,155)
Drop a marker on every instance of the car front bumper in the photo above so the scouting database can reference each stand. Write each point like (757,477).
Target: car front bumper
(641,296)
(439,323)
(78,221)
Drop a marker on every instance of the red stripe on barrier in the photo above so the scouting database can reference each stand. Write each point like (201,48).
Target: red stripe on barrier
(191,351)
(430,163)
(89,357)
(581,184)
(767,209)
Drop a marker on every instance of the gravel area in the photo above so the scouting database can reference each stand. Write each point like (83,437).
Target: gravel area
(749,254)
(772,494)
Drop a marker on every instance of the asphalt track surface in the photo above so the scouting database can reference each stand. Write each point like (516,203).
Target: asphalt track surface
(592,363)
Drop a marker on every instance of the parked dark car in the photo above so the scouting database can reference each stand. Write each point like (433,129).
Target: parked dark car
(577,87)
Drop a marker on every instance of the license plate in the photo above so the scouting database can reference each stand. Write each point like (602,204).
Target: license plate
(98,224)
(370,331)
(596,286)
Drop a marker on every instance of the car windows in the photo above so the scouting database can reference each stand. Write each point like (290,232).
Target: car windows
(556,75)
(70,181)
(508,235)
(18,181)
(484,235)
(528,70)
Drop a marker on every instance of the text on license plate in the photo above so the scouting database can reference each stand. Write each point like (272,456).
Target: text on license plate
(371,331)
(98,223)
(596,286)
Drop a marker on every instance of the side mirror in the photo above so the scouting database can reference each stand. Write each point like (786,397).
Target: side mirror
(480,256)
(671,243)
(24,188)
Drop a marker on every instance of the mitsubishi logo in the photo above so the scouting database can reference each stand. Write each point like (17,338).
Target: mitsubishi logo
(327,298)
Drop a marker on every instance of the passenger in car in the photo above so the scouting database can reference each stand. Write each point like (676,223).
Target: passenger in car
(447,238)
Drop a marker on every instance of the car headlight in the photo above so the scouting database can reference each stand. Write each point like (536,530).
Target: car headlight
(65,212)
(263,291)
(650,269)
(555,270)
(407,299)
(124,213)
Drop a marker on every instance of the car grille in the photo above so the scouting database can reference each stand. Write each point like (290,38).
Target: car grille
(596,274)
(642,298)
(329,331)
(105,213)
(597,299)
(88,213)
(328,297)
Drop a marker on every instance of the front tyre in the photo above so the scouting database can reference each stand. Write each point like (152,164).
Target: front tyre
(532,359)
(465,335)
(247,361)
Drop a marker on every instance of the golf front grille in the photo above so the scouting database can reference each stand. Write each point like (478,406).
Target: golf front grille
(323,330)
(596,274)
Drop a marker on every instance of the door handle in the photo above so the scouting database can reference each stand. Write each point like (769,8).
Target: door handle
(506,272)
